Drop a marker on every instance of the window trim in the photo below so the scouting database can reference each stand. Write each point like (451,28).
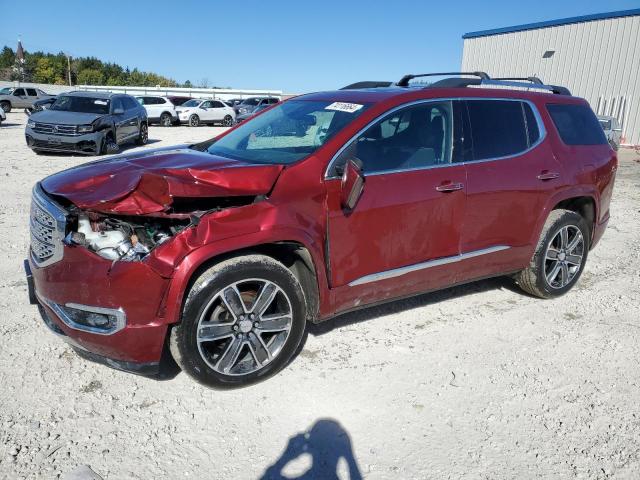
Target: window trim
(541,129)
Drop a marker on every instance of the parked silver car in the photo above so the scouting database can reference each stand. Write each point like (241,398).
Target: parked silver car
(20,97)
(612,130)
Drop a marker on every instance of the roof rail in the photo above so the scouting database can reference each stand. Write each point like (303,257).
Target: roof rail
(404,81)
(524,79)
(367,84)
(556,89)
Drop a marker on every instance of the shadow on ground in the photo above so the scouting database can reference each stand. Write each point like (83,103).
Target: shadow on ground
(326,443)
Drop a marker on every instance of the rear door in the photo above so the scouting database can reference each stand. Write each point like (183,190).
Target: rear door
(410,213)
(511,172)
(32,96)
(217,110)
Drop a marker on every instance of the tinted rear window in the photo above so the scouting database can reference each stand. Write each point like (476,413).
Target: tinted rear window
(577,124)
(497,127)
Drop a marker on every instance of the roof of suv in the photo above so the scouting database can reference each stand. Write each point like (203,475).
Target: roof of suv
(106,95)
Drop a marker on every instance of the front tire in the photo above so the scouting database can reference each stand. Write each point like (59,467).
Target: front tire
(109,146)
(194,120)
(242,322)
(559,257)
(6,106)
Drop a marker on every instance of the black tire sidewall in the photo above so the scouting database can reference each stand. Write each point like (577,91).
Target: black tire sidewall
(197,120)
(163,121)
(6,104)
(568,218)
(196,302)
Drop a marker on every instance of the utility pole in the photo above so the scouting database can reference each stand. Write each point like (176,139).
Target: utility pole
(69,68)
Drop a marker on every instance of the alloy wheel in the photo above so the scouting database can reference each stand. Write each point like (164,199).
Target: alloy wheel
(144,133)
(563,257)
(244,326)
(194,120)
(228,121)
(166,120)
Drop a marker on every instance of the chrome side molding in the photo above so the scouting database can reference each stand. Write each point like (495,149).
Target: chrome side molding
(396,272)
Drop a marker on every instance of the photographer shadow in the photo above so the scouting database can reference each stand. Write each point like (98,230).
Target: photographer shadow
(326,442)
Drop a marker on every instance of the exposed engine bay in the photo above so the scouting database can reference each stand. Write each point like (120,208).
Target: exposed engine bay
(123,238)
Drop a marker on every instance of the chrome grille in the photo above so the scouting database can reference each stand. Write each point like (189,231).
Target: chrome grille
(54,129)
(47,223)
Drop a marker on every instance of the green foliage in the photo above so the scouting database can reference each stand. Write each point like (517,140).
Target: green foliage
(44,67)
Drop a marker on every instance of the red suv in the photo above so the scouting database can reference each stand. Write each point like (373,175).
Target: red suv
(221,252)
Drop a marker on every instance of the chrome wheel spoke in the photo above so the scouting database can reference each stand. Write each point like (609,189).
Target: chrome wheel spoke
(233,301)
(274,323)
(259,349)
(564,238)
(551,276)
(574,259)
(573,244)
(230,356)
(552,253)
(209,332)
(565,275)
(265,298)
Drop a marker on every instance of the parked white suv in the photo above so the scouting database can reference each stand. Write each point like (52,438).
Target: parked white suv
(159,110)
(197,111)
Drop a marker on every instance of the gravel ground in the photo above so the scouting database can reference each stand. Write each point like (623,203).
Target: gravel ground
(473,382)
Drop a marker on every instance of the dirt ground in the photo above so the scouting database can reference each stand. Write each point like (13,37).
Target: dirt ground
(474,382)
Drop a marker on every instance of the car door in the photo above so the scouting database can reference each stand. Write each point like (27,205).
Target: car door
(217,110)
(19,99)
(120,119)
(32,96)
(206,112)
(511,172)
(406,225)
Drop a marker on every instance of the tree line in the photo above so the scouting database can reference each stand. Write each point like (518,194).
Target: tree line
(41,67)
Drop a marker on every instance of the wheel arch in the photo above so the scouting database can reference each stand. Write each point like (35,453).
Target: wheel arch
(295,255)
(583,200)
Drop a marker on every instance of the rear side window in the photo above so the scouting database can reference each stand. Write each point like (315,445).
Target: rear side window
(498,128)
(129,103)
(32,92)
(533,132)
(577,124)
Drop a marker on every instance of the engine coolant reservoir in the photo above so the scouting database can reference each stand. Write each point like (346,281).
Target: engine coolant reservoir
(104,243)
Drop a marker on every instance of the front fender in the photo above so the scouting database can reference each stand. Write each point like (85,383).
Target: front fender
(195,259)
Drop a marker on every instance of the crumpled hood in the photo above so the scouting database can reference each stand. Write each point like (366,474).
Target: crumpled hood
(147,182)
(65,118)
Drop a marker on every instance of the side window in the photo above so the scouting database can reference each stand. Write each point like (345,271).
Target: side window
(117,104)
(32,92)
(19,92)
(129,103)
(414,137)
(206,104)
(141,100)
(497,128)
(577,124)
(216,104)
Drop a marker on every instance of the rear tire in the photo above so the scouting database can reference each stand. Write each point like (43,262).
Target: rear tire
(6,106)
(227,121)
(194,120)
(559,258)
(242,322)
(166,120)
(143,136)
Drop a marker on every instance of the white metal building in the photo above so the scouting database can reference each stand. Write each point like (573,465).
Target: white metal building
(596,56)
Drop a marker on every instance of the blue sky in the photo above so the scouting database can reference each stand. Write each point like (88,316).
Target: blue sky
(296,46)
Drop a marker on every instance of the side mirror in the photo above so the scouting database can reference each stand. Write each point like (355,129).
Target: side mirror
(118,111)
(352,184)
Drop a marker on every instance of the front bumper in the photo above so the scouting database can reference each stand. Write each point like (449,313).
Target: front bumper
(88,143)
(83,278)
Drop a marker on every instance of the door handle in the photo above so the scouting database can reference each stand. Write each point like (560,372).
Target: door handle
(450,187)
(546,175)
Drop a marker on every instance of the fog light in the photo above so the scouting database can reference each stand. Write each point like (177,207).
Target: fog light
(103,321)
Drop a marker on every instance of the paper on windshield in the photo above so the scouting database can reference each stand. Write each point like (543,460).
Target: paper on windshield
(344,107)
(100,102)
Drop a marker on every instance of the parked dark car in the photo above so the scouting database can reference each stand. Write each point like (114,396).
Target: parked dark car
(90,123)
(178,100)
(248,105)
(220,253)
(40,105)
(244,116)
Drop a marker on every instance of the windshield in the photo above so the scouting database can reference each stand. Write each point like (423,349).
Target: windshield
(81,104)
(606,124)
(286,133)
(251,101)
(192,103)
(6,91)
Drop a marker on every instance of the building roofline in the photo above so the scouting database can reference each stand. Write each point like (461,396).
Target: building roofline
(553,23)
